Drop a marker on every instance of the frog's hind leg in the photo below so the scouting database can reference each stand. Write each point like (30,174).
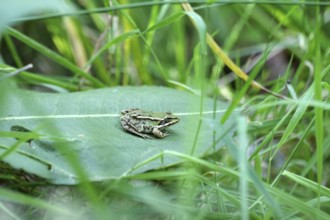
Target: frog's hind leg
(128,128)
(139,134)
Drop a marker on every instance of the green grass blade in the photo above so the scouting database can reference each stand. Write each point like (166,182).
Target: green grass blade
(54,56)
(165,22)
(299,113)
(244,166)
(324,191)
(116,40)
(298,205)
(19,198)
(319,132)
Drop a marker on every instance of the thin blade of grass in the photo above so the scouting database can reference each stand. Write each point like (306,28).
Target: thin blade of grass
(116,40)
(7,195)
(54,56)
(243,164)
(324,191)
(297,116)
(318,97)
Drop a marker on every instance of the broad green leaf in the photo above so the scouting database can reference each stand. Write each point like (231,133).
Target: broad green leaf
(85,127)
(13,10)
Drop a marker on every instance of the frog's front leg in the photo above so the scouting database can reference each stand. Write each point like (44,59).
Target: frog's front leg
(158,133)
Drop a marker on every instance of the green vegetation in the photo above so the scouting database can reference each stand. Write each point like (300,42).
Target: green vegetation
(249,82)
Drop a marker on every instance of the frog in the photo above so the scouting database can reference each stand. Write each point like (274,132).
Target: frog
(147,124)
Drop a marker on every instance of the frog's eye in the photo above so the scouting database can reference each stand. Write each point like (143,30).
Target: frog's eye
(163,122)
(166,120)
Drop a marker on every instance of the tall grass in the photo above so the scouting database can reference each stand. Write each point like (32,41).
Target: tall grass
(276,168)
